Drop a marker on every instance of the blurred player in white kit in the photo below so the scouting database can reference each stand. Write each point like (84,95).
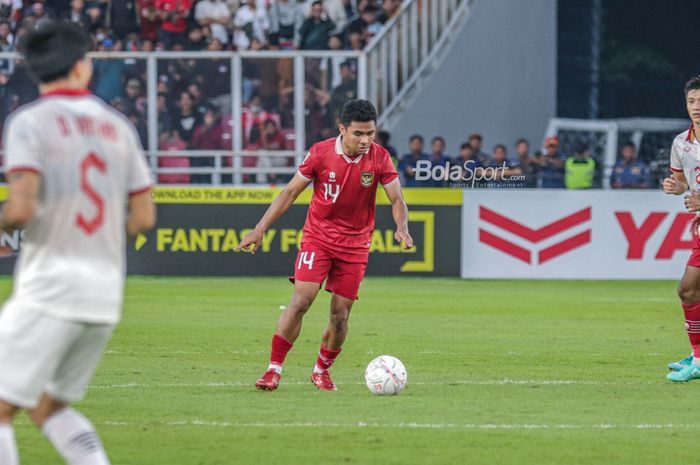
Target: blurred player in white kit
(77,182)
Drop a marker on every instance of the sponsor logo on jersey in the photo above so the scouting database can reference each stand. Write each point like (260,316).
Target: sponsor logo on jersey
(366,178)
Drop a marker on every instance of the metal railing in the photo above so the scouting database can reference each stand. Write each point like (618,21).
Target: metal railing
(406,48)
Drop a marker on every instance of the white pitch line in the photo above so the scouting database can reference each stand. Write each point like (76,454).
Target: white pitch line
(499,382)
(409,425)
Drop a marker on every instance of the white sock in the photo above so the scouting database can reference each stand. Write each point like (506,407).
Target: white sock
(277,368)
(318,369)
(696,361)
(74,437)
(8,446)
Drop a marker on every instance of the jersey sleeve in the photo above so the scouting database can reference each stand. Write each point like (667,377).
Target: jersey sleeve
(676,159)
(22,146)
(388,174)
(307,169)
(139,175)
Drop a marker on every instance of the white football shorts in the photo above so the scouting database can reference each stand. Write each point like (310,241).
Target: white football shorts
(42,354)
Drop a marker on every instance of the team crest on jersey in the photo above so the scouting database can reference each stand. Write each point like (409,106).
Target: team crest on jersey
(331,176)
(366,178)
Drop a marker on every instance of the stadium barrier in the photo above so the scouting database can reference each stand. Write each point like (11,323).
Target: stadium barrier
(574,235)
(198,229)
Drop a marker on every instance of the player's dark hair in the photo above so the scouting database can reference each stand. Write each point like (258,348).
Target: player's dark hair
(360,111)
(417,137)
(465,145)
(692,84)
(500,146)
(438,138)
(54,48)
(522,140)
(629,143)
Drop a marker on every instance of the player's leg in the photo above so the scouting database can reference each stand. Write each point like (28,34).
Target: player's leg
(8,445)
(344,282)
(689,293)
(72,434)
(310,270)
(31,346)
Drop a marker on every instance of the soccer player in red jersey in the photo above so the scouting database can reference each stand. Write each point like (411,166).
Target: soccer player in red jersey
(346,172)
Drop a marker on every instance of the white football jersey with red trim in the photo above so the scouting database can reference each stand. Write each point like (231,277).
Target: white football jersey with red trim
(685,157)
(89,157)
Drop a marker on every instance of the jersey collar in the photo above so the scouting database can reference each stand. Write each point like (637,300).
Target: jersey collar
(339,151)
(67,93)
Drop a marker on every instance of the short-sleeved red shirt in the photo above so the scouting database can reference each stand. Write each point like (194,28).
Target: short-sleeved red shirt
(341,214)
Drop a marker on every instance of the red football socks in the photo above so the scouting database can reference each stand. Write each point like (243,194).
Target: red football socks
(692,326)
(280,347)
(326,357)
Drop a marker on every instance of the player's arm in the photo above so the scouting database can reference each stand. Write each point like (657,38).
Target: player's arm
(675,184)
(399,211)
(22,201)
(142,213)
(281,204)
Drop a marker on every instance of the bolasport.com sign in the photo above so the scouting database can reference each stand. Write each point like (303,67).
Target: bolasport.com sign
(574,235)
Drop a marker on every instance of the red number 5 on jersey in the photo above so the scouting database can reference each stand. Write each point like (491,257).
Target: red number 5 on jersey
(93,224)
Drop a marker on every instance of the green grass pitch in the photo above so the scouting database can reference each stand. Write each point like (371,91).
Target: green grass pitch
(500,372)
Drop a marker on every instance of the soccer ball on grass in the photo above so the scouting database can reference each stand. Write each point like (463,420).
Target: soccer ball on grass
(386,375)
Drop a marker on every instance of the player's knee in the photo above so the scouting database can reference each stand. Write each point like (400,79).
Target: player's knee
(301,303)
(688,293)
(339,318)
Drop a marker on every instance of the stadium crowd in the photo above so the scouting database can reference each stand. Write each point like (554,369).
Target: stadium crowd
(194,95)
(551,168)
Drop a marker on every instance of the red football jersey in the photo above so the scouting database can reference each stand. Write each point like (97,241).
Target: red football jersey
(341,214)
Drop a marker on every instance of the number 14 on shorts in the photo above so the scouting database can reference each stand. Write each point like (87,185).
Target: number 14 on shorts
(306,259)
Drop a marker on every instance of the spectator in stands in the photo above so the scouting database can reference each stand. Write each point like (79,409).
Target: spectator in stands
(165,120)
(186,118)
(330,66)
(121,17)
(504,168)
(76,14)
(286,19)
(209,135)
(334,10)
(384,139)
(217,15)
(356,40)
(630,173)
(96,21)
(390,8)
(174,26)
(528,164)
(270,140)
(551,171)
(170,141)
(346,90)
(316,29)
(369,17)
(6,45)
(134,100)
(108,76)
(407,165)
(195,40)
(438,157)
(253,22)
(580,169)
(149,20)
(476,142)
(8,96)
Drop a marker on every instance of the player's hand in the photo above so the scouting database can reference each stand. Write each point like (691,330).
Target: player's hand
(404,238)
(692,201)
(251,242)
(672,186)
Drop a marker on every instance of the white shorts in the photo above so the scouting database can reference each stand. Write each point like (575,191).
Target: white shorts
(41,354)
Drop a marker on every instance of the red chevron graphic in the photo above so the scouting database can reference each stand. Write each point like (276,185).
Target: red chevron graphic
(564,246)
(505,246)
(535,235)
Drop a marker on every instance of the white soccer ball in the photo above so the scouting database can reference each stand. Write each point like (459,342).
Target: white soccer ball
(386,375)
